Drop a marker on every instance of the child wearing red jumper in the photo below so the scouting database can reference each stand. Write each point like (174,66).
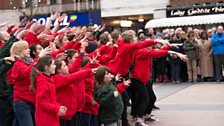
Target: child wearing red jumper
(126,50)
(90,110)
(127,47)
(47,109)
(65,84)
(141,75)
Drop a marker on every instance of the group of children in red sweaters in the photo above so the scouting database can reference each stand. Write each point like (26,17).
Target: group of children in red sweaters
(75,76)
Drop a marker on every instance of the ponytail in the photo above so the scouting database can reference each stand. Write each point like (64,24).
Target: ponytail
(39,67)
(33,74)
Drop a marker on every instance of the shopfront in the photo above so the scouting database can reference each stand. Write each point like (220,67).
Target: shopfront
(205,16)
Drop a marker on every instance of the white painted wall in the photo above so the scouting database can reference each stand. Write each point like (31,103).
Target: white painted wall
(10,16)
(112,8)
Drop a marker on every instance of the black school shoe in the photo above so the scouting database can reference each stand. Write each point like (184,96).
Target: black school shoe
(151,119)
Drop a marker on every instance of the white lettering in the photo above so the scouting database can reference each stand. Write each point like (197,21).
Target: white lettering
(43,21)
(65,21)
(218,9)
(198,11)
(177,13)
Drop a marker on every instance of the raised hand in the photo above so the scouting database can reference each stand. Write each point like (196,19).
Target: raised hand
(102,28)
(45,37)
(11,26)
(94,70)
(28,24)
(127,82)
(23,22)
(55,16)
(97,28)
(164,42)
(9,60)
(182,57)
(64,30)
(94,60)
(21,34)
(62,17)
(3,24)
(18,31)
(118,77)
(115,45)
(109,43)
(37,28)
(45,51)
(61,56)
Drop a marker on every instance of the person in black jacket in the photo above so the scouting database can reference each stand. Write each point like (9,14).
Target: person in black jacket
(175,61)
(5,65)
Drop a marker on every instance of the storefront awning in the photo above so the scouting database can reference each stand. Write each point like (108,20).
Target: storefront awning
(183,21)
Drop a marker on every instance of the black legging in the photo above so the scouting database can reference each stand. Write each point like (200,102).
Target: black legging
(65,122)
(140,98)
(152,97)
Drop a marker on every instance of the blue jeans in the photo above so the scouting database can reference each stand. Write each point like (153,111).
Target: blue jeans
(175,71)
(88,119)
(3,110)
(24,113)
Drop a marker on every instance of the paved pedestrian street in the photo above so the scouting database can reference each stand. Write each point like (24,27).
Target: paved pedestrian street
(185,104)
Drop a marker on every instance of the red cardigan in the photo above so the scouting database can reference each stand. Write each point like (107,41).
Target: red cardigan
(125,56)
(47,108)
(65,90)
(106,58)
(21,74)
(143,63)
(89,108)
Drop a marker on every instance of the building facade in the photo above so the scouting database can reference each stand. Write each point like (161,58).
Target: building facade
(12,10)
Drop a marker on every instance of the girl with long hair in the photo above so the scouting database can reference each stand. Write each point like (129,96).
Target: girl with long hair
(108,96)
(47,109)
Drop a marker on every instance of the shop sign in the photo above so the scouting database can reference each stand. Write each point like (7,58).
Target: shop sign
(194,11)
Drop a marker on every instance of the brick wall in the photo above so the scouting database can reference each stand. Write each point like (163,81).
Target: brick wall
(5,4)
(178,3)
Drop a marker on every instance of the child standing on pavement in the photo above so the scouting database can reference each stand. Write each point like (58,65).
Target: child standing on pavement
(108,96)
(47,109)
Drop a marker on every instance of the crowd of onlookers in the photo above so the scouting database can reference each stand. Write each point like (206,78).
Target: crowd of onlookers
(203,48)
(85,76)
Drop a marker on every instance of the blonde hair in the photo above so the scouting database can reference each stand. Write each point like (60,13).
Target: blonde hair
(127,36)
(18,47)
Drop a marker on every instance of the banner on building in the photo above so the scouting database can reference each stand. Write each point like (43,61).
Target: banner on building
(73,19)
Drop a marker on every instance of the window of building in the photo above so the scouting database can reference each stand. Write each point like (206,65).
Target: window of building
(53,1)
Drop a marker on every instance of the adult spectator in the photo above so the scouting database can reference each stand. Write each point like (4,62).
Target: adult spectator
(183,65)
(214,30)
(210,33)
(189,29)
(205,57)
(4,37)
(218,51)
(191,50)
(151,33)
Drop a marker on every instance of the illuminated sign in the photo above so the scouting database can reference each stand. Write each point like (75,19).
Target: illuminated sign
(73,19)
